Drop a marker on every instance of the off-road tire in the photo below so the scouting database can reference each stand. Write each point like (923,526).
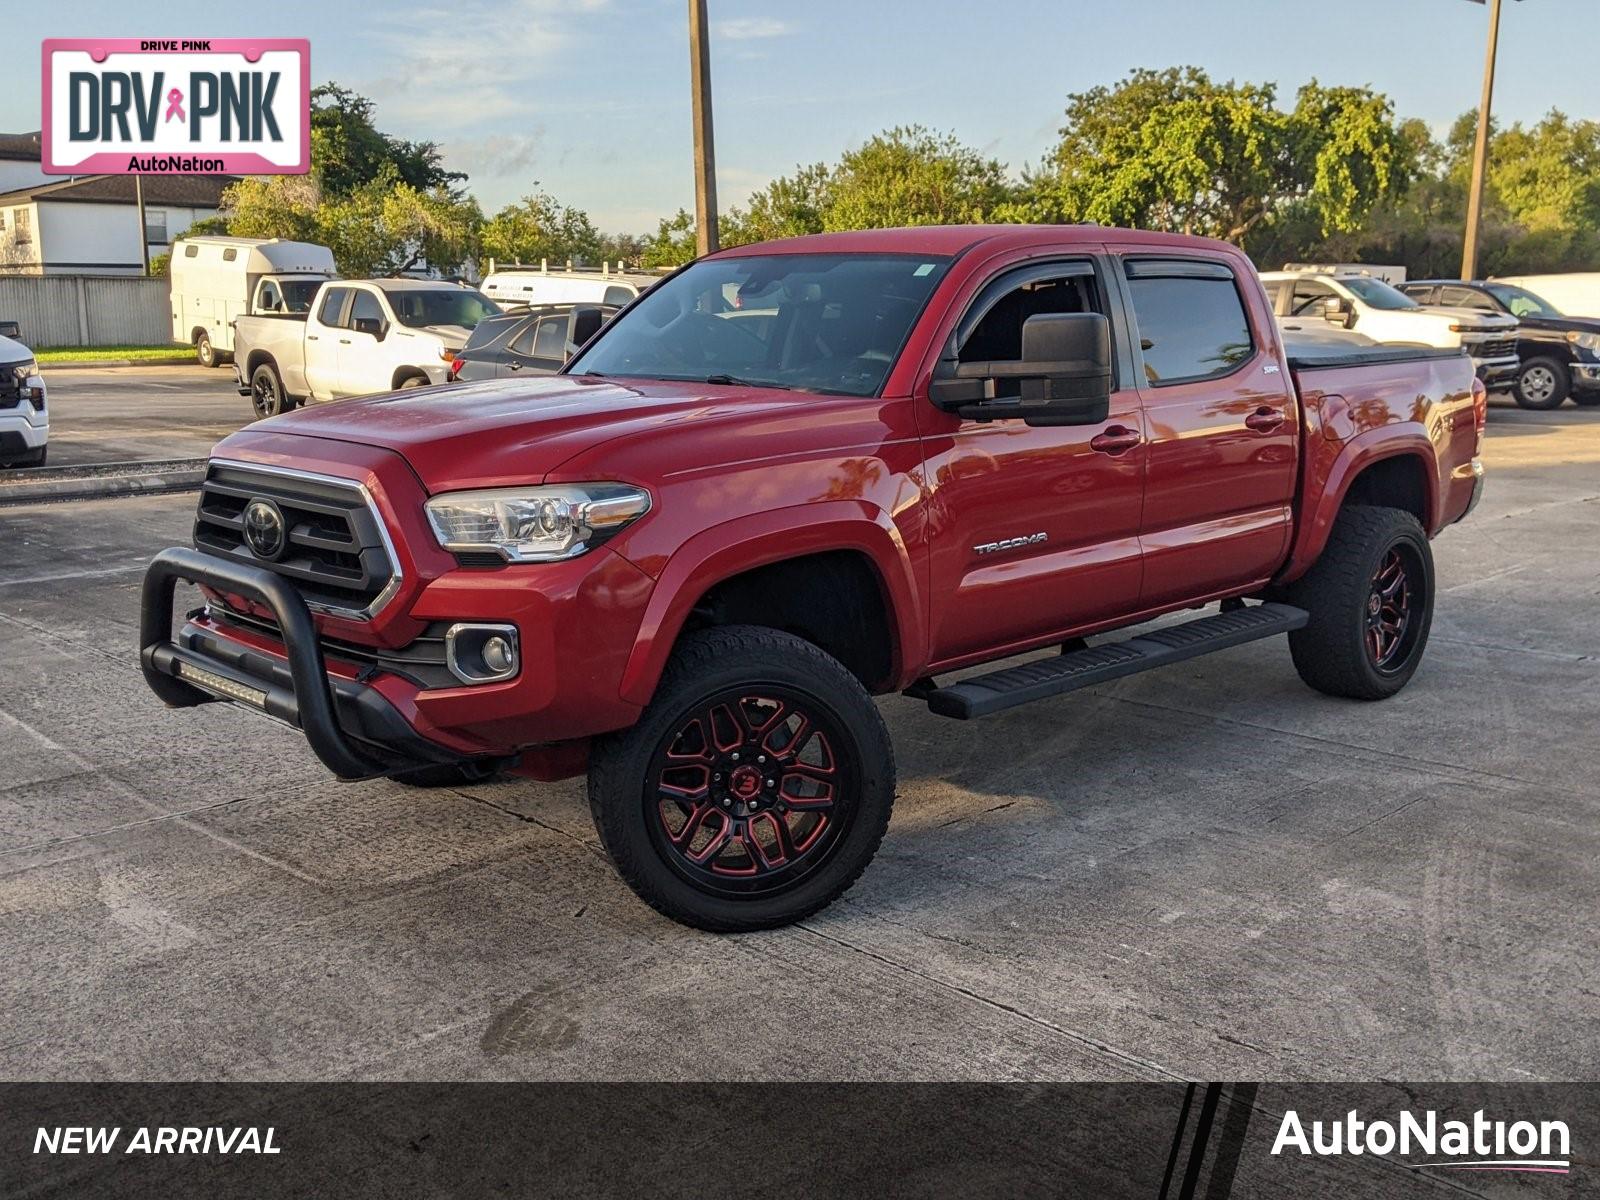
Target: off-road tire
(1331,652)
(705,665)
(1553,378)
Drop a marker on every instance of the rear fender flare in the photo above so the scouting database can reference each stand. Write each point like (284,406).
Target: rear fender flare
(1323,498)
(758,540)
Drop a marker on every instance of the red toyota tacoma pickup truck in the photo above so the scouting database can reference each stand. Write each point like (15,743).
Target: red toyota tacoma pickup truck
(797,475)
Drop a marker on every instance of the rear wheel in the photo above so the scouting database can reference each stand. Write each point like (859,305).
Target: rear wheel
(413,381)
(1370,597)
(1543,383)
(33,458)
(754,790)
(266,392)
(205,351)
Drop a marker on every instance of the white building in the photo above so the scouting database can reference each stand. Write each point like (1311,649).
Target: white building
(89,224)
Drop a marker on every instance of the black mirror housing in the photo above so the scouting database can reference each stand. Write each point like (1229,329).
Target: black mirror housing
(1064,375)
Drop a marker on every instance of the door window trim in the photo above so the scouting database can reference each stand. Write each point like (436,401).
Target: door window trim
(343,316)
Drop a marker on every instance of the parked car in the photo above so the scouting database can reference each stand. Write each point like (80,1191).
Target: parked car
(216,280)
(1575,293)
(536,340)
(1388,316)
(24,407)
(359,336)
(687,562)
(1560,355)
(510,285)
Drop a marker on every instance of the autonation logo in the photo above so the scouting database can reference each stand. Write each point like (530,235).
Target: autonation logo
(1476,1145)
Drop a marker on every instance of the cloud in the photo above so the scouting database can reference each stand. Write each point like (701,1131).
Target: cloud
(744,29)
(496,156)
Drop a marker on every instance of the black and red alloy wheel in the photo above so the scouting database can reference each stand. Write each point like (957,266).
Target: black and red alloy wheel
(752,791)
(1390,625)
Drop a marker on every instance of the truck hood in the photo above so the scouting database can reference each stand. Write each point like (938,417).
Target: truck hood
(502,432)
(1564,324)
(1463,316)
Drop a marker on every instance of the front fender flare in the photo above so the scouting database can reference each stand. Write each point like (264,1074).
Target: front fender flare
(760,539)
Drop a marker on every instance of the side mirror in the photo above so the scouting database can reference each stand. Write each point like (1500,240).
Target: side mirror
(372,325)
(1064,376)
(1336,310)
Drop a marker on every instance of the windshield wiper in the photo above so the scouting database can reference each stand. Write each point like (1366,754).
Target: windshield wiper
(735,381)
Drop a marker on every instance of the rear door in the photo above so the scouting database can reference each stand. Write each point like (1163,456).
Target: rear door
(324,328)
(1037,527)
(1223,428)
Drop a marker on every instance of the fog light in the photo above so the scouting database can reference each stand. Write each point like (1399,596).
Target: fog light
(481,653)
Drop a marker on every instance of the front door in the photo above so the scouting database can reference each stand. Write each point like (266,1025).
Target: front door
(1223,427)
(1032,531)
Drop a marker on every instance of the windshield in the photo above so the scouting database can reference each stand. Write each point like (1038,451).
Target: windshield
(1521,302)
(441,306)
(1377,294)
(297,294)
(830,323)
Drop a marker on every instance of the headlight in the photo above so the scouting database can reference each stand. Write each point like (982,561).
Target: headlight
(25,371)
(1589,341)
(536,524)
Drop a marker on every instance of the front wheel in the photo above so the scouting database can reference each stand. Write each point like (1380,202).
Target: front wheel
(1543,383)
(1370,597)
(755,788)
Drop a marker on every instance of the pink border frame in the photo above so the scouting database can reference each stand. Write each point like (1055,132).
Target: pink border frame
(115,162)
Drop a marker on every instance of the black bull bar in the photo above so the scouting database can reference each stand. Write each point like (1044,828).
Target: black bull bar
(308,699)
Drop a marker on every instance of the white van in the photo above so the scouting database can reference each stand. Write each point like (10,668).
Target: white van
(516,284)
(1574,294)
(215,279)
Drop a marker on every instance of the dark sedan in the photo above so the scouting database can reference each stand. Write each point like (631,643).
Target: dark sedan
(535,340)
(1560,354)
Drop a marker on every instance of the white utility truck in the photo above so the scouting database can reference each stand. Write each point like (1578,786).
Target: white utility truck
(510,284)
(216,280)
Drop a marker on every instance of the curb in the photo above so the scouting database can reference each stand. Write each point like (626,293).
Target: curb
(171,360)
(102,481)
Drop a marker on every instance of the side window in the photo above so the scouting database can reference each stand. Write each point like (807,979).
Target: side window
(228,255)
(1459,297)
(333,307)
(269,300)
(997,315)
(1275,293)
(191,250)
(522,343)
(366,314)
(551,340)
(1192,323)
(1308,293)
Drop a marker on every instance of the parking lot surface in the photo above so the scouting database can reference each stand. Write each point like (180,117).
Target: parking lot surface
(1204,872)
(123,414)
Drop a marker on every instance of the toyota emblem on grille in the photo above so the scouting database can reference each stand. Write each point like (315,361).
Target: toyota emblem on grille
(264,530)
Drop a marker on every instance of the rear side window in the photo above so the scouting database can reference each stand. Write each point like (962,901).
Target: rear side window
(551,340)
(489,331)
(1192,323)
(523,342)
(332,306)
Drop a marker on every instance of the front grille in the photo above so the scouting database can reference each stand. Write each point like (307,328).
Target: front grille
(422,660)
(336,553)
(1502,348)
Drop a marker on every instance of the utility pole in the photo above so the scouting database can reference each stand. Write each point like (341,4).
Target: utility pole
(144,236)
(705,157)
(1480,150)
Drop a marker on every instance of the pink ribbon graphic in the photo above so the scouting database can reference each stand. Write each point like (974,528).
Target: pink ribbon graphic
(175,105)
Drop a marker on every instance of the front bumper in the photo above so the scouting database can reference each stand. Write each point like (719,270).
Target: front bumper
(351,727)
(1586,375)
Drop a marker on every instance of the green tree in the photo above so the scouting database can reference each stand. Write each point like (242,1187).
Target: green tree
(348,149)
(913,176)
(1175,150)
(538,227)
(673,242)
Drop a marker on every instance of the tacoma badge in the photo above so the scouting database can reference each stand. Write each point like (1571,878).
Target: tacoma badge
(1016,543)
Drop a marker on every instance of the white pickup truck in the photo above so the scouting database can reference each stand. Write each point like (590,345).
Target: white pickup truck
(1365,304)
(360,336)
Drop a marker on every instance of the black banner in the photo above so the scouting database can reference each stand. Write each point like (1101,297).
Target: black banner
(1161,1141)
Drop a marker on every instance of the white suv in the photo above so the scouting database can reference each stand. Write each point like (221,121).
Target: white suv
(1363,303)
(24,417)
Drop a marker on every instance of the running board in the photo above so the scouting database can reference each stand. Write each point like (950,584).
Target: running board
(1046,677)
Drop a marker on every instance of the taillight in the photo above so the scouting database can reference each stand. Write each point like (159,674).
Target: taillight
(453,375)
(1480,409)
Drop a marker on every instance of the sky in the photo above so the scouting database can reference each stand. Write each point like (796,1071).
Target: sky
(589,99)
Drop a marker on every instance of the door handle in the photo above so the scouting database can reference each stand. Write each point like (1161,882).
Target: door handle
(311,337)
(1119,439)
(344,341)
(1264,419)
(514,365)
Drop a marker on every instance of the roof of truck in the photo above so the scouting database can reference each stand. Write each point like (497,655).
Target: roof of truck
(955,239)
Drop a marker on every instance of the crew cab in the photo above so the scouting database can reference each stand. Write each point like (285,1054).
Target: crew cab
(1559,355)
(686,563)
(358,336)
(1369,305)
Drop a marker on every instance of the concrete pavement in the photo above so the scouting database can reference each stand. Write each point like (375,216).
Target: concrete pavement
(116,414)
(1205,872)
